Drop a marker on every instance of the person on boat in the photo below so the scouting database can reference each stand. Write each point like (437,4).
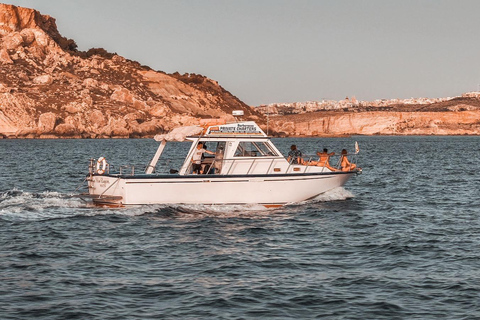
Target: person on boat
(323,160)
(197,158)
(295,156)
(346,165)
(206,165)
(217,165)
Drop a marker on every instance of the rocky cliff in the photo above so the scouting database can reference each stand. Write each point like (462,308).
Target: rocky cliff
(443,116)
(377,123)
(50,89)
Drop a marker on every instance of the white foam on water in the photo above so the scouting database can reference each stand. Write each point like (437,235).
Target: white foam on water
(18,204)
(336,194)
(225,211)
(132,211)
(223,207)
(198,211)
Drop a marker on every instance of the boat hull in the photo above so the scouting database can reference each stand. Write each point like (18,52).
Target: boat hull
(268,190)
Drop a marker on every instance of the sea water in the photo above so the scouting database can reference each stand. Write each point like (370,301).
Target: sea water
(400,241)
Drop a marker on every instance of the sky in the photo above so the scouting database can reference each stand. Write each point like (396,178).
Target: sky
(274,51)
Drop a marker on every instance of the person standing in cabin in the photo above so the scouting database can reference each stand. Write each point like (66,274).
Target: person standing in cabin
(197,158)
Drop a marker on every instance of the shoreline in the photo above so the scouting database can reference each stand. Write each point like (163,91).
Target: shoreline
(2,137)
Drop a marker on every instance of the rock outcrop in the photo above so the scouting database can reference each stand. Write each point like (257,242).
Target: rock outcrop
(50,89)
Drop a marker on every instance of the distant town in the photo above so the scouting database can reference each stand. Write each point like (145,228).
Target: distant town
(350,104)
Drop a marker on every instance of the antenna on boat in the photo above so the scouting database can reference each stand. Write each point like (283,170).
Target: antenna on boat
(237,114)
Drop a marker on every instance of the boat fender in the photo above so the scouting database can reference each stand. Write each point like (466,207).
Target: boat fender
(101,165)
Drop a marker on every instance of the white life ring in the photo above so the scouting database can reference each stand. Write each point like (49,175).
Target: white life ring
(101,165)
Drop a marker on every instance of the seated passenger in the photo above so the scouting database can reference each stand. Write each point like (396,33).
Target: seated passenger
(346,165)
(295,156)
(323,160)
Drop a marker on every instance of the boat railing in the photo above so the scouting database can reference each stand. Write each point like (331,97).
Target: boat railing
(127,169)
(230,165)
(352,158)
(307,163)
(333,161)
(227,166)
(259,165)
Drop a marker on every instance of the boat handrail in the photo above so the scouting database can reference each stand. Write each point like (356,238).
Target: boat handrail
(352,157)
(124,167)
(251,165)
(130,169)
(233,161)
(306,166)
(211,165)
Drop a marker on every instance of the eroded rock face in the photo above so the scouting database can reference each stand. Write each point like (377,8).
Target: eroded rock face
(440,116)
(378,123)
(48,88)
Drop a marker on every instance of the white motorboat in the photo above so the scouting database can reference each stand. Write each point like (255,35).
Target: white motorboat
(246,168)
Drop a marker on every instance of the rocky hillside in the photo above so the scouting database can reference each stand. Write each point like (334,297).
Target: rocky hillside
(50,89)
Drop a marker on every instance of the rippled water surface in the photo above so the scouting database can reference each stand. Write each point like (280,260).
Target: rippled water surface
(400,241)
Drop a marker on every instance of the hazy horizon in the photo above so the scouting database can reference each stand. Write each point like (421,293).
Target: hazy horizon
(279,51)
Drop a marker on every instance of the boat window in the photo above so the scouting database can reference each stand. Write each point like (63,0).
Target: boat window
(253,149)
(212,146)
(265,149)
(220,151)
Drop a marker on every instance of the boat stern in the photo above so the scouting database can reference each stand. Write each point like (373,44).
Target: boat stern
(106,190)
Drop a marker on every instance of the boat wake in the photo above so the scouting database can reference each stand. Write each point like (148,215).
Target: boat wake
(336,194)
(187,211)
(21,205)
(17,204)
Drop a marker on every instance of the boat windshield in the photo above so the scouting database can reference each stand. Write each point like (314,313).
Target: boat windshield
(254,149)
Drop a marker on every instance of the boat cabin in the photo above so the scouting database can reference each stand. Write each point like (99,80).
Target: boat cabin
(239,149)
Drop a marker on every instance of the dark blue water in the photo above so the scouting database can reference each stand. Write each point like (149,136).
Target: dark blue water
(400,241)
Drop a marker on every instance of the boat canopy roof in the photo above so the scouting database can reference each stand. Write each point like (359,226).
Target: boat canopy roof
(179,134)
(238,129)
(245,129)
